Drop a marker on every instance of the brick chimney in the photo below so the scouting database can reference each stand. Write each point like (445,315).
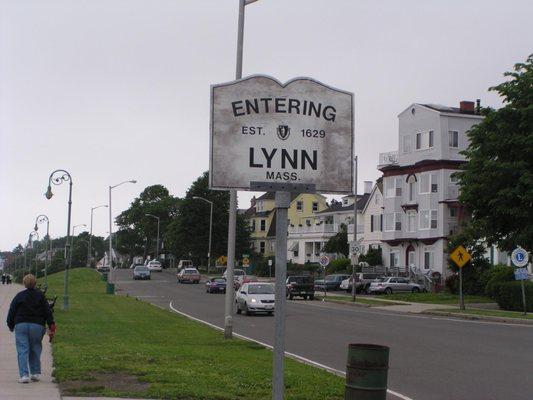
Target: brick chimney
(252,201)
(467,107)
(368,187)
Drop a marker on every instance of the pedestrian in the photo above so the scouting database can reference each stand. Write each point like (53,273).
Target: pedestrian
(28,315)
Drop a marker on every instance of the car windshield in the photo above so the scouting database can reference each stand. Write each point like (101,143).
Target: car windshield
(219,280)
(155,263)
(331,278)
(265,288)
(381,279)
(141,269)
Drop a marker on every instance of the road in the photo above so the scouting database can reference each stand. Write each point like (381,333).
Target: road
(431,358)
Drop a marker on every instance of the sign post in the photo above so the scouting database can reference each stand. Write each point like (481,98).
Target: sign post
(520,259)
(460,257)
(283,138)
(324,262)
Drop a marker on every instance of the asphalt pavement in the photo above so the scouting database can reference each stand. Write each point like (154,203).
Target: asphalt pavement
(431,358)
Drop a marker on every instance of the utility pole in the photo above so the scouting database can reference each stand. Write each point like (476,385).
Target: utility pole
(355,256)
(90,246)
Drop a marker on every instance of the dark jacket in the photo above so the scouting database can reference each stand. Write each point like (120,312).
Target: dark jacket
(30,305)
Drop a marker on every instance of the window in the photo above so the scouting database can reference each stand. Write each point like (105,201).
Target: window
(453,212)
(375,223)
(398,183)
(272,246)
(428,259)
(434,220)
(424,183)
(253,225)
(300,205)
(411,221)
(398,221)
(376,199)
(434,185)
(411,185)
(344,202)
(418,141)
(453,139)
(393,222)
(259,206)
(428,219)
(454,178)
(407,144)
(315,206)
(431,139)
(262,227)
(262,247)
(394,259)
(393,187)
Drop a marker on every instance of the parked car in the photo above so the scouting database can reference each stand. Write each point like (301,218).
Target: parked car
(189,275)
(302,286)
(333,282)
(362,282)
(102,268)
(185,264)
(393,284)
(255,297)
(216,285)
(141,272)
(237,283)
(154,266)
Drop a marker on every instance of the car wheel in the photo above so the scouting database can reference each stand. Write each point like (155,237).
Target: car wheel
(238,308)
(415,290)
(291,296)
(271,313)
(388,290)
(246,310)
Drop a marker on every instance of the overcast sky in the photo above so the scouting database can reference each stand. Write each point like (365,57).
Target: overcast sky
(119,89)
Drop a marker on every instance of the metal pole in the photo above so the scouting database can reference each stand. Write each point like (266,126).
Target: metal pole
(524,297)
(157,243)
(283,200)
(46,263)
(461,298)
(90,240)
(69,250)
(230,292)
(355,256)
(210,235)
(109,256)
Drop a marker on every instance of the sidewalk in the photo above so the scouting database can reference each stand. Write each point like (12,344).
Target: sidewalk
(10,389)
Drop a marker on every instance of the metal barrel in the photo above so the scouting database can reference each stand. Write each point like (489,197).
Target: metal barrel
(366,372)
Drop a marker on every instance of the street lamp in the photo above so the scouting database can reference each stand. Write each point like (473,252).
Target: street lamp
(30,239)
(210,229)
(110,255)
(89,257)
(158,221)
(39,220)
(57,178)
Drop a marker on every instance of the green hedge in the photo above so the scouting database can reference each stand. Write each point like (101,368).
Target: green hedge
(494,276)
(508,295)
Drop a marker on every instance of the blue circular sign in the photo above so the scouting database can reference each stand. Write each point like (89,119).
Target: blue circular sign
(519,257)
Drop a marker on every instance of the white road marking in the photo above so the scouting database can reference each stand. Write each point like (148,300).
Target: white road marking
(291,355)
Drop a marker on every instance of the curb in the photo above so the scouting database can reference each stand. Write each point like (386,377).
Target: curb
(471,317)
(352,304)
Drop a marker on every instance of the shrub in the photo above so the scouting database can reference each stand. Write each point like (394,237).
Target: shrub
(339,265)
(452,283)
(494,275)
(508,295)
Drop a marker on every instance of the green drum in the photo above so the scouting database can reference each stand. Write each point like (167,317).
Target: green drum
(366,372)
(110,288)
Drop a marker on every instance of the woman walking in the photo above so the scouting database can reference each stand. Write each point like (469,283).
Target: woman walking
(28,315)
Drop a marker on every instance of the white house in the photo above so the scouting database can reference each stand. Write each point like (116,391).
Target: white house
(420,194)
(372,215)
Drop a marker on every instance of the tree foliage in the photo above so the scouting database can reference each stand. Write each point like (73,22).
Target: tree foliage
(338,244)
(497,182)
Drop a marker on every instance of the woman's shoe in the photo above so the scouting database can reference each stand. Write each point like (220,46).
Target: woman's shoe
(24,379)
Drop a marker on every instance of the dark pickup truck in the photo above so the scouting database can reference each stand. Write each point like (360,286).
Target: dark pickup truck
(302,286)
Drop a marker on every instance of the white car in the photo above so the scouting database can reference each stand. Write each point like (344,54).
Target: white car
(254,297)
(154,265)
(238,276)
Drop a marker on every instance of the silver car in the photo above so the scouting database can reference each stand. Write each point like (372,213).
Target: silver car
(393,284)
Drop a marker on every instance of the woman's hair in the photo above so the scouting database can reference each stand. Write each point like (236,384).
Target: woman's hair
(29,281)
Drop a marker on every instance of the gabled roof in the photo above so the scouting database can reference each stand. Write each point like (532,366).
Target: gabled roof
(338,207)
(377,187)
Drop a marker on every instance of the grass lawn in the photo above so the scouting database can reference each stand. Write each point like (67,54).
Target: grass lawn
(117,346)
(490,313)
(435,298)
(358,299)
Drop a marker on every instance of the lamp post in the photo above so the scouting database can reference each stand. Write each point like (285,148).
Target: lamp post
(30,239)
(157,244)
(110,255)
(72,239)
(89,247)
(39,220)
(57,178)
(210,229)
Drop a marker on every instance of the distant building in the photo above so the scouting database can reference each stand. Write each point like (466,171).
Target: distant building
(420,193)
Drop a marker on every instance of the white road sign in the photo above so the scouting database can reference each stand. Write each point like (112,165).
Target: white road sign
(323,261)
(519,257)
(264,131)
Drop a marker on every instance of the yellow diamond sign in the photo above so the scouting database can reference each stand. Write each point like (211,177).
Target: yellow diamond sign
(245,261)
(460,256)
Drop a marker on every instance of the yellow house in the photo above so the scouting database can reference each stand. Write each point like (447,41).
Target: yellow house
(262,217)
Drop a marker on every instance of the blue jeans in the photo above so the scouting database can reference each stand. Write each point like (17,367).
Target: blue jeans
(28,337)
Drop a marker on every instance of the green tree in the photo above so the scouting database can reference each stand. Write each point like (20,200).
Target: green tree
(138,233)
(338,244)
(188,234)
(372,257)
(497,182)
